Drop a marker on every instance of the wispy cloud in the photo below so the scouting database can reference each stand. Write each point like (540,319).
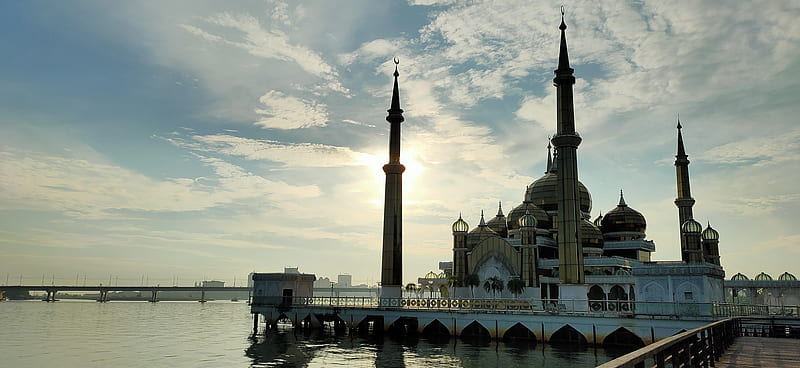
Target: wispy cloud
(269,43)
(289,154)
(280,111)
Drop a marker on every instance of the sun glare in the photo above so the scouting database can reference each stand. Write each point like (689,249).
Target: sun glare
(414,169)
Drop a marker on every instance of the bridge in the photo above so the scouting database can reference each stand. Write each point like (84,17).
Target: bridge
(52,290)
(733,342)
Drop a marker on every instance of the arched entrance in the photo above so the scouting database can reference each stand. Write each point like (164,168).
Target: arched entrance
(519,334)
(475,333)
(436,330)
(622,338)
(567,335)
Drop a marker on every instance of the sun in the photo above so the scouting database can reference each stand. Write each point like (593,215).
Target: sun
(409,157)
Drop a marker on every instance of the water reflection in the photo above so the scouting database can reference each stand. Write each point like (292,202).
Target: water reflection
(289,348)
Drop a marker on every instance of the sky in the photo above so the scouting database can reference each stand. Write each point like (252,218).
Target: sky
(171,142)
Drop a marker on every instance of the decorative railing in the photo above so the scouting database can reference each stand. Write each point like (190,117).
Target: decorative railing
(560,306)
(701,346)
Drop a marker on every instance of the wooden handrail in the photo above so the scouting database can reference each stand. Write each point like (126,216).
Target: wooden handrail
(705,343)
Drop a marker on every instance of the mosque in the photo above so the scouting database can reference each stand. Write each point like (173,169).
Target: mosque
(551,245)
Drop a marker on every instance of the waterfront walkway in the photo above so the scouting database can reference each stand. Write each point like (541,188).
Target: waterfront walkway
(749,351)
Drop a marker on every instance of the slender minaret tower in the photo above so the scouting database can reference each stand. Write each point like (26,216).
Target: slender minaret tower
(392,257)
(566,141)
(684,200)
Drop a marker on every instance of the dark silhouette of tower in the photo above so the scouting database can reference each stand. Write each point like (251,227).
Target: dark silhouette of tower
(684,201)
(566,141)
(392,256)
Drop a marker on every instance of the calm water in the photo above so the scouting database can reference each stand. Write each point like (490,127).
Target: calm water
(216,334)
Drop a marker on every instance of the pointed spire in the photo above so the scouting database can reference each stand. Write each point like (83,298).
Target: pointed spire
(563,55)
(395,112)
(549,158)
(554,165)
(681,150)
(483,222)
(500,209)
(621,200)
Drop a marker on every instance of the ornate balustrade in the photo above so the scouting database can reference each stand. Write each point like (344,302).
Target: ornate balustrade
(561,306)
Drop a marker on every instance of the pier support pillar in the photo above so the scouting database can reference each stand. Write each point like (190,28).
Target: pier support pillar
(202,297)
(153,296)
(255,324)
(103,296)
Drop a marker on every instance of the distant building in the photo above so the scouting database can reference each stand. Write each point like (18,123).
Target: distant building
(213,284)
(323,282)
(344,281)
(280,288)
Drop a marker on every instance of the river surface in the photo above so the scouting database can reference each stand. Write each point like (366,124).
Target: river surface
(72,333)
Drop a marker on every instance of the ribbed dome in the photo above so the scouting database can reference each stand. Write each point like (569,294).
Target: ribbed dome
(598,220)
(691,226)
(710,234)
(591,235)
(542,219)
(787,277)
(623,219)
(480,233)
(498,223)
(739,277)
(460,226)
(623,272)
(542,192)
(763,277)
(527,220)
(431,275)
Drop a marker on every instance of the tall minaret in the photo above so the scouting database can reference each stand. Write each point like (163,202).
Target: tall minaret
(684,200)
(566,141)
(392,257)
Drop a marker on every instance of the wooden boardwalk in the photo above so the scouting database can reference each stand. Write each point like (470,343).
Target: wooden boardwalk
(762,352)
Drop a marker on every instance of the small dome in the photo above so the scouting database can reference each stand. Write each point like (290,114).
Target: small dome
(691,226)
(460,226)
(763,277)
(498,223)
(431,275)
(622,272)
(739,277)
(598,221)
(478,234)
(787,277)
(441,276)
(542,192)
(542,219)
(710,234)
(527,220)
(590,235)
(623,219)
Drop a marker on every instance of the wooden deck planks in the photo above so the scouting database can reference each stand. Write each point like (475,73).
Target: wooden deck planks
(762,352)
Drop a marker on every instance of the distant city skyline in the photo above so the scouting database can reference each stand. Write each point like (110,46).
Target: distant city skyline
(202,140)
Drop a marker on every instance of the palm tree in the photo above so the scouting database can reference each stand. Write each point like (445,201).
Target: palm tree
(452,281)
(488,286)
(472,280)
(516,286)
(497,285)
(412,288)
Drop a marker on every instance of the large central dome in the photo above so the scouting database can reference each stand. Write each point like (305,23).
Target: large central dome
(542,192)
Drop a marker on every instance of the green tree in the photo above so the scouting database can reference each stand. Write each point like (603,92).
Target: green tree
(497,285)
(412,288)
(516,286)
(473,281)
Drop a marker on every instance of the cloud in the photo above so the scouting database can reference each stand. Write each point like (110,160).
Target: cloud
(90,189)
(269,44)
(288,154)
(280,111)
(353,122)
(768,150)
